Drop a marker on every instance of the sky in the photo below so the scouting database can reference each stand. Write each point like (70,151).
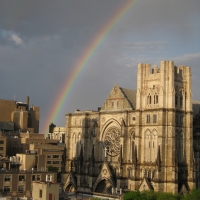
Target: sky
(41,42)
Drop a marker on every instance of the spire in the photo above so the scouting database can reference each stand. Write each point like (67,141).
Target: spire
(134,155)
(81,155)
(92,156)
(158,159)
(120,157)
(81,160)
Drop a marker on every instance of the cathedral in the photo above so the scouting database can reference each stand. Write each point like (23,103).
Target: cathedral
(143,139)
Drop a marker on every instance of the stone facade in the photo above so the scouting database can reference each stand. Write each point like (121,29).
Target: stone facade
(139,140)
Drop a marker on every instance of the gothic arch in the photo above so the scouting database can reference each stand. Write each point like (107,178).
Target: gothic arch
(147,135)
(70,183)
(154,144)
(131,143)
(70,188)
(73,146)
(179,145)
(110,122)
(132,133)
(150,145)
(78,143)
(104,186)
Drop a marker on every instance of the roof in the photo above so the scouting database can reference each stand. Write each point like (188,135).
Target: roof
(130,96)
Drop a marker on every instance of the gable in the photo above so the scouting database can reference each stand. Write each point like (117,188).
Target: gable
(120,99)
(70,180)
(145,185)
(105,174)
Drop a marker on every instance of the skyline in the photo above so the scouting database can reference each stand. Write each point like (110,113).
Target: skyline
(40,44)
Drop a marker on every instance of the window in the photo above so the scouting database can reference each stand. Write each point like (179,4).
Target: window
(55,156)
(177,119)
(1,142)
(33,177)
(38,177)
(149,99)
(40,193)
(48,156)
(154,118)
(150,145)
(1,148)
(156,99)
(48,177)
(181,119)
(112,104)
(148,118)
(55,162)
(20,188)
(21,177)
(176,100)
(181,100)
(6,189)
(7,178)
(48,162)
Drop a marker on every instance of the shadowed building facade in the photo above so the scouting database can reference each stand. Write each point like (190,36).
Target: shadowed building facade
(139,139)
(15,116)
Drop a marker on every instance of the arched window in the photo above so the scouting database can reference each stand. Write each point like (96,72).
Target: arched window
(148,118)
(150,146)
(148,99)
(179,146)
(147,146)
(156,98)
(73,147)
(176,100)
(78,145)
(181,100)
(153,145)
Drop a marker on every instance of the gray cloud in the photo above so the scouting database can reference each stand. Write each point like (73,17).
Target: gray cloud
(41,41)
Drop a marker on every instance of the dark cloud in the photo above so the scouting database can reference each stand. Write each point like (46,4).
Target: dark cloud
(41,42)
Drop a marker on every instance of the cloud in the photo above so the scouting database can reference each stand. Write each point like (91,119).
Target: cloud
(10,38)
(153,46)
(188,57)
(16,39)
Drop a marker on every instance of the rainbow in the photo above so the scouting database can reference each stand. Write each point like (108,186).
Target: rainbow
(83,61)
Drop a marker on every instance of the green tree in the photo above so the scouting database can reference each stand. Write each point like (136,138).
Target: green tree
(150,195)
(136,195)
(52,169)
(192,195)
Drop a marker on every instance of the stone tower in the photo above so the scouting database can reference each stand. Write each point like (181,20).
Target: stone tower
(164,123)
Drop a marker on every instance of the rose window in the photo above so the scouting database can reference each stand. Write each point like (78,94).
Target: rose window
(112,141)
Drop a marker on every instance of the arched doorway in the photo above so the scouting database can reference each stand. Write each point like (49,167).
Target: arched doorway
(104,186)
(70,188)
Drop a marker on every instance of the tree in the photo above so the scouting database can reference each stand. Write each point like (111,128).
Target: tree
(52,169)
(192,195)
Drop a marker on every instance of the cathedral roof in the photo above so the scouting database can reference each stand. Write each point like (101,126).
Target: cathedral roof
(120,99)
(131,96)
